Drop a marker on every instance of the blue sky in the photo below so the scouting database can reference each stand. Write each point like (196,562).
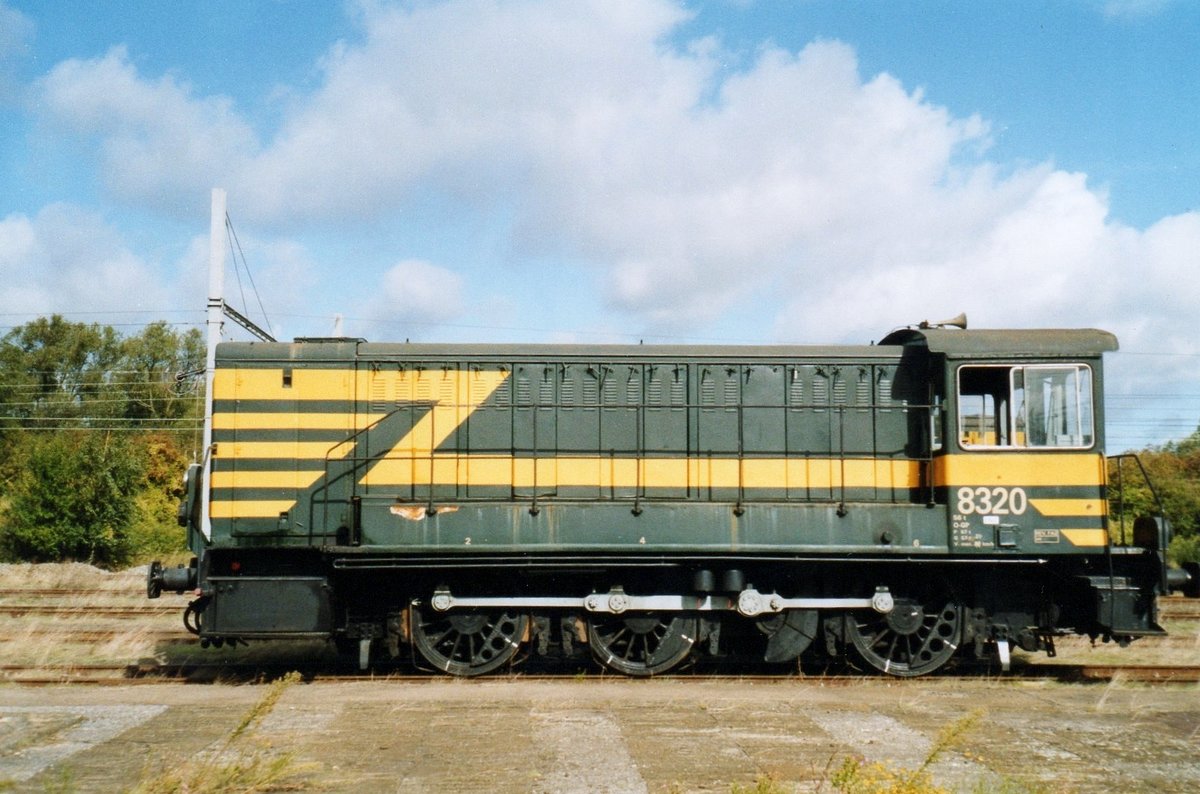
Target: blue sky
(614,170)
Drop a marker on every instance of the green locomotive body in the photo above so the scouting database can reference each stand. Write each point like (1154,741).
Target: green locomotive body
(468,503)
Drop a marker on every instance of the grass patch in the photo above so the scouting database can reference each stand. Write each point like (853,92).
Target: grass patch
(855,775)
(234,766)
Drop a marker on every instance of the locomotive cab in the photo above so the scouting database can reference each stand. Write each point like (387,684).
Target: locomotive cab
(1023,476)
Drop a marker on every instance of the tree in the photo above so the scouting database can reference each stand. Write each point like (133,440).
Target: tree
(75,498)
(1174,469)
(91,431)
(154,368)
(51,368)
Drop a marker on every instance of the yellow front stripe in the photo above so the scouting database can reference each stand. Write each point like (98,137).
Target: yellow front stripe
(1057,508)
(1086,537)
(1012,469)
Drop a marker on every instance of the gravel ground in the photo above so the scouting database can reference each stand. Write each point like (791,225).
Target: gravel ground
(509,734)
(514,735)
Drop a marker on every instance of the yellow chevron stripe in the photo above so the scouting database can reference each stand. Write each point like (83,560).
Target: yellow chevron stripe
(455,394)
(1086,537)
(1055,508)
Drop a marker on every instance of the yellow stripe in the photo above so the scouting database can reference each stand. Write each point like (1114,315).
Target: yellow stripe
(1070,507)
(267,384)
(1019,469)
(249,509)
(471,388)
(504,470)
(282,450)
(415,466)
(1086,537)
(594,472)
(604,472)
(298,480)
(466,387)
(292,421)
(454,395)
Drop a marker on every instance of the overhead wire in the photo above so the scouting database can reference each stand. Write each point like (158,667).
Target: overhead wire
(234,242)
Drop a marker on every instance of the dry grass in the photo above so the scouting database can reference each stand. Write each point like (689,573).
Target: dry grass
(1181,647)
(237,764)
(75,575)
(44,640)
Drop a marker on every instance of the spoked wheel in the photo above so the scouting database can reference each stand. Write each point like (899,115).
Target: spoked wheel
(789,633)
(911,640)
(641,644)
(467,643)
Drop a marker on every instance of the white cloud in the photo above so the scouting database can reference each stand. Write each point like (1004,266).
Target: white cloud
(848,203)
(1134,9)
(66,259)
(413,294)
(160,146)
(69,260)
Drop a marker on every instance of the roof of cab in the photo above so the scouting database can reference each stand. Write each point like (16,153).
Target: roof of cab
(1023,343)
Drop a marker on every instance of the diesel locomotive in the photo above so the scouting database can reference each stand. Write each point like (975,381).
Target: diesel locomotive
(941,493)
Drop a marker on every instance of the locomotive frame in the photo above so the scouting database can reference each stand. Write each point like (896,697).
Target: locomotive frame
(944,489)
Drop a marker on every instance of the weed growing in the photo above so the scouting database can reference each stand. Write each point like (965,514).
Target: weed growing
(232,766)
(857,776)
(763,784)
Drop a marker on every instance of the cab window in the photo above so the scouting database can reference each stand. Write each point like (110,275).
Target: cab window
(1043,405)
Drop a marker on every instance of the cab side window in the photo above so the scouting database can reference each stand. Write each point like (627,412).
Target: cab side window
(1035,406)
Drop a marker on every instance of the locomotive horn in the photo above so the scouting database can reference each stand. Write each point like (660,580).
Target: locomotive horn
(959,321)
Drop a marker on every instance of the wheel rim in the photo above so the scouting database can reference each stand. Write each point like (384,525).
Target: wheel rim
(644,644)
(911,640)
(468,643)
(788,633)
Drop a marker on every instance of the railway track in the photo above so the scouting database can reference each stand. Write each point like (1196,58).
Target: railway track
(1178,608)
(65,618)
(89,610)
(205,673)
(66,592)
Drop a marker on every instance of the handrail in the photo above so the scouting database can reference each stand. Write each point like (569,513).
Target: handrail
(1162,526)
(1119,459)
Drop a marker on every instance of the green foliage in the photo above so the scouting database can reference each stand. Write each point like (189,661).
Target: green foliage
(151,361)
(858,777)
(763,784)
(1184,548)
(92,432)
(74,500)
(1174,469)
(154,533)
